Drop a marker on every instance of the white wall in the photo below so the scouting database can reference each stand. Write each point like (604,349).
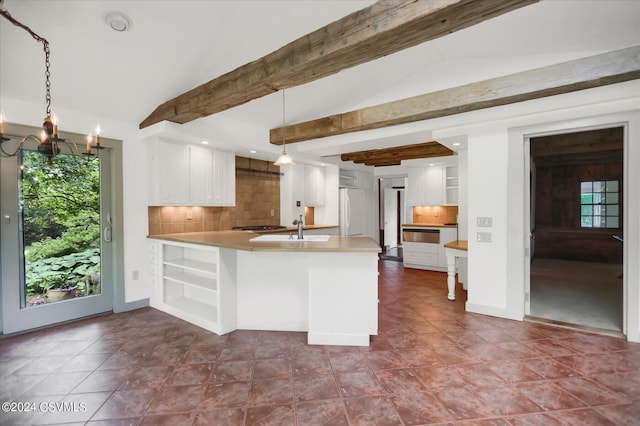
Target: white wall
(487,197)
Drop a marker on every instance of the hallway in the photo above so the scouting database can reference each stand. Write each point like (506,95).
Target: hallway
(432,363)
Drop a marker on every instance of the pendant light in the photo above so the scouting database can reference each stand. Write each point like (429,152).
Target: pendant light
(284,159)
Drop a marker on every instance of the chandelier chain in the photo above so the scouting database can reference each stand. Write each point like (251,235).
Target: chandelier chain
(47,53)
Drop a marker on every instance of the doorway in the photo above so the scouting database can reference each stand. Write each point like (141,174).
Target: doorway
(57,254)
(576,200)
(392,214)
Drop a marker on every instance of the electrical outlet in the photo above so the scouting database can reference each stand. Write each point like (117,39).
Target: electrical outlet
(273,212)
(485,222)
(135,275)
(484,237)
(189,215)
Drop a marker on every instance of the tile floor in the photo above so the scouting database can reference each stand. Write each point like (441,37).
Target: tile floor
(431,363)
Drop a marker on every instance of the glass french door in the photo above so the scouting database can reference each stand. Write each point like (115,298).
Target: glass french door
(56,238)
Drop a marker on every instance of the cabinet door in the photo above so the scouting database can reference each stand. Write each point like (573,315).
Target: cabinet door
(417,187)
(314,185)
(201,185)
(434,186)
(224,178)
(169,174)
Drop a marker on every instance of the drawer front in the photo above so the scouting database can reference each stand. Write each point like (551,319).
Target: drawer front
(420,248)
(421,258)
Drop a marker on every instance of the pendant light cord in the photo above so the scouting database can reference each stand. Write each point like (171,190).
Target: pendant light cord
(284,127)
(47,53)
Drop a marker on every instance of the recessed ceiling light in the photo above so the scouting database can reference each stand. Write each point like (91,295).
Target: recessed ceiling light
(456,144)
(205,142)
(253,151)
(118,21)
(432,164)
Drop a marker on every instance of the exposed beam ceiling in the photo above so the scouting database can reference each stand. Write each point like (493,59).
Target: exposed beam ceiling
(381,29)
(599,70)
(393,156)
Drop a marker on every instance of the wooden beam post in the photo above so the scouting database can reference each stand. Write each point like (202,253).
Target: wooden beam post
(594,71)
(376,31)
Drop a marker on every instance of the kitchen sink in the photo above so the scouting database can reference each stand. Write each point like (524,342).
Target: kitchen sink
(282,238)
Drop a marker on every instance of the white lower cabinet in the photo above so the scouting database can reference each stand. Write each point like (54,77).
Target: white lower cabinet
(420,255)
(429,256)
(195,283)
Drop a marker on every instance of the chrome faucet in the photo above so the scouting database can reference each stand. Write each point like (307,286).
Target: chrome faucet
(299,223)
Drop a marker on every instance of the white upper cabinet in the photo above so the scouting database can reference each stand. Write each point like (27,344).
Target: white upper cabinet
(169,174)
(190,175)
(314,190)
(426,186)
(432,185)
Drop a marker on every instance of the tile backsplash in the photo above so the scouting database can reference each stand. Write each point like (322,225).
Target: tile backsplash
(257,203)
(435,214)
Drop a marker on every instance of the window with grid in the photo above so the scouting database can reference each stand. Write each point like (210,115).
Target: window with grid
(599,204)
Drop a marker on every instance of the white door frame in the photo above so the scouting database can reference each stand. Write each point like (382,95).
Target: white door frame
(17,319)
(631,209)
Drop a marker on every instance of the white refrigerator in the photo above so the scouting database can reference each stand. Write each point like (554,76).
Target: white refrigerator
(353,212)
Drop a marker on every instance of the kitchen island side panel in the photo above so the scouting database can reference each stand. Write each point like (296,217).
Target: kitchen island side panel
(273,290)
(343,298)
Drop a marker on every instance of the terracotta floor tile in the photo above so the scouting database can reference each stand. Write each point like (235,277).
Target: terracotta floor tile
(325,413)
(508,400)
(125,404)
(418,408)
(311,364)
(358,384)
(232,371)
(190,374)
(167,419)
(627,384)
(550,396)
(103,380)
(582,417)
(372,410)
(464,404)
(399,381)
(273,368)
(314,388)
(591,392)
(225,395)
(271,415)
(347,362)
(175,399)
(478,374)
(147,377)
(514,371)
(57,384)
(380,360)
(534,420)
(218,417)
(440,376)
(549,368)
(271,392)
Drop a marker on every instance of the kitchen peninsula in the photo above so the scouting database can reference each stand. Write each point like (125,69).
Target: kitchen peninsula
(222,281)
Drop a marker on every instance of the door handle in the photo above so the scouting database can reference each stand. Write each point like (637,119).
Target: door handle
(106,234)
(617,237)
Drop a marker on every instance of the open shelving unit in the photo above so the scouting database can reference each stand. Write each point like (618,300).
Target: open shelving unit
(188,284)
(451,185)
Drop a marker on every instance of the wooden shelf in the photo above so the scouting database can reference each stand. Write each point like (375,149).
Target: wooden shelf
(194,265)
(186,278)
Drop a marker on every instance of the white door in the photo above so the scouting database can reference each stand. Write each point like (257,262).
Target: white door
(56,238)
(390,217)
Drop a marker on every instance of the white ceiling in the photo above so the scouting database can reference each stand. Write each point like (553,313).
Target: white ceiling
(174,46)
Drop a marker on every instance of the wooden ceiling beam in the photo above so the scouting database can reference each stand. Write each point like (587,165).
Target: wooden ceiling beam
(394,155)
(594,71)
(381,29)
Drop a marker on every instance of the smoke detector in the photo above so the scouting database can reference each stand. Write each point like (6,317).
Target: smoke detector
(118,21)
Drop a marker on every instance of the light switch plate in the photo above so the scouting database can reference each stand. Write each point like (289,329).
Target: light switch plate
(484,237)
(484,222)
